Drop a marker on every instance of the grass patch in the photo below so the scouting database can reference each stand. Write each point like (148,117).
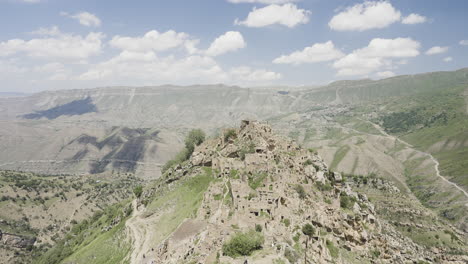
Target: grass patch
(256,180)
(180,203)
(334,251)
(339,155)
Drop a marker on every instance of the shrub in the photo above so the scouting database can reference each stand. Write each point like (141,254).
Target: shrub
(291,255)
(258,228)
(286,222)
(194,138)
(323,187)
(138,190)
(300,190)
(243,244)
(230,133)
(347,202)
(308,230)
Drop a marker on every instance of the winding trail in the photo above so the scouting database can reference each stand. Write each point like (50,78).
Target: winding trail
(140,233)
(436,163)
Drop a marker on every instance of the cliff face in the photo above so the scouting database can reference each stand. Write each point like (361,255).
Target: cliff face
(303,212)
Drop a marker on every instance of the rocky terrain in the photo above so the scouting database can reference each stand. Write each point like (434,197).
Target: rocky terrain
(269,201)
(401,142)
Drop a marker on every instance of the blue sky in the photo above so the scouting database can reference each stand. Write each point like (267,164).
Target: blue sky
(63,44)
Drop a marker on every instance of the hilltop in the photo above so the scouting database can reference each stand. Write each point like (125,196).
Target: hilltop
(253,195)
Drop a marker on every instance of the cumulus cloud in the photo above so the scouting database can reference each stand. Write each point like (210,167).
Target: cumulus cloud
(287,15)
(464,42)
(85,18)
(137,68)
(448,59)
(230,41)
(154,41)
(141,61)
(375,56)
(436,50)
(365,16)
(263,1)
(316,53)
(386,74)
(414,19)
(55,45)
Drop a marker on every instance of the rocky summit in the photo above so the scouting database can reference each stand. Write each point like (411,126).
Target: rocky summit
(271,201)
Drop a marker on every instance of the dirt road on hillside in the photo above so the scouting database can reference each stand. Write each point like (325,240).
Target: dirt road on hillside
(436,163)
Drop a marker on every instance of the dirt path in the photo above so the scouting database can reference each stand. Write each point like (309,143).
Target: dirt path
(140,232)
(436,163)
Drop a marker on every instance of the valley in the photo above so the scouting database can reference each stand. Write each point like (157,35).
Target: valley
(409,148)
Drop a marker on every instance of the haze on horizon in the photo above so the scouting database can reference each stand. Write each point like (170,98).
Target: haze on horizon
(63,44)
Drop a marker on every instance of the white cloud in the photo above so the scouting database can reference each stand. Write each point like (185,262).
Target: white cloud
(316,53)
(146,68)
(263,1)
(287,15)
(154,41)
(386,74)
(464,42)
(414,19)
(436,50)
(52,31)
(55,71)
(85,18)
(368,15)
(230,41)
(377,55)
(448,59)
(58,46)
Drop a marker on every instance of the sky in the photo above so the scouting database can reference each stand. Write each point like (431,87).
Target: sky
(66,44)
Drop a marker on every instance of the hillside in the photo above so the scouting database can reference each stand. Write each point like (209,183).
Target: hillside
(252,195)
(36,211)
(406,132)
(51,122)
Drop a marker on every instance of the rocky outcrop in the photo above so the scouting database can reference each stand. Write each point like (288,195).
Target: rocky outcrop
(16,241)
(268,183)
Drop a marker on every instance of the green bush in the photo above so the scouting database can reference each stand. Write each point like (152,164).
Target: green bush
(291,255)
(138,190)
(323,187)
(300,190)
(194,138)
(258,228)
(347,202)
(243,244)
(308,230)
(230,133)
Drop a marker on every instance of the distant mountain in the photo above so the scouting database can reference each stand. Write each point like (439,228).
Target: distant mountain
(12,94)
